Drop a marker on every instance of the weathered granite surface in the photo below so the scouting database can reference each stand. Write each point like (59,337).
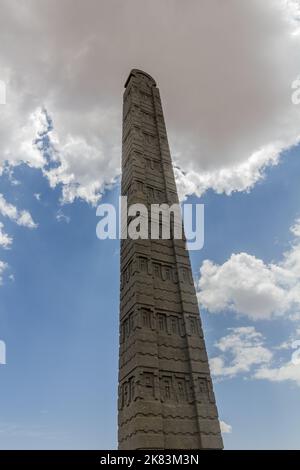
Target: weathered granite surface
(166,398)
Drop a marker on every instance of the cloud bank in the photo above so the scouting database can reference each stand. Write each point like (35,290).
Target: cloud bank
(21,217)
(243,352)
(247,286)
(3,267)
(225,70)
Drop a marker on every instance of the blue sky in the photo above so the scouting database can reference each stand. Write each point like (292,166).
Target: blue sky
(59,317)
(226,73)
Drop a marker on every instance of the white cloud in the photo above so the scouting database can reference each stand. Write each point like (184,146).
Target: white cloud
(61,217)
(240,177)
(243,352)
(83,169)
(225,71)
(21,217)
(5,239)
(225,428)
(240,350)
(243,284)
(246,285)
(3,267)
(295,229)
(286,372)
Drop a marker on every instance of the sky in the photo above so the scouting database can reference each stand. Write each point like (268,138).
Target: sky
(227,72)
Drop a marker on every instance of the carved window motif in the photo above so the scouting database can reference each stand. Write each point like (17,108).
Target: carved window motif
(126,275)
(140,186)
(128,272)
(157,165)
(150,139)
(146,317)
(153,165)
(131,322)
(166,388)
(148,384)
(131,388)
(157,270)
(184,275)
(194,326)
(172,196)
(181,390)
(125,394)
(174,325)
(162,322)
(158,194)
(189,277)
(143,264)
(126,328)
(150,193)
(168,273)
(136,157)
(203,388)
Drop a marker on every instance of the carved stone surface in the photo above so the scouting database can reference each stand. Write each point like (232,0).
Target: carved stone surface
(166,398)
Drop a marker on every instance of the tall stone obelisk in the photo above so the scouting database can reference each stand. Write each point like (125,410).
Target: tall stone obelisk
(166,398)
